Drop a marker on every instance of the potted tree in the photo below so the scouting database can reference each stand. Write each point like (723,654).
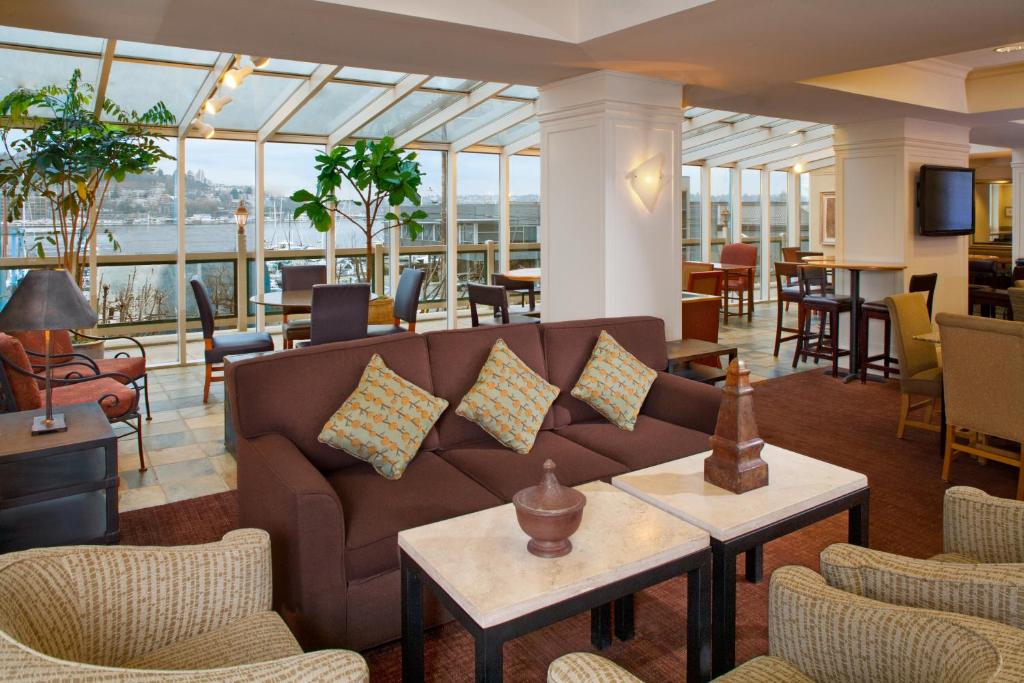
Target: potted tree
(383,179)
(56,148)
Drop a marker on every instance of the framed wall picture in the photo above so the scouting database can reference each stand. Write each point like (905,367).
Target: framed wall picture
(1008,212)
(828,217)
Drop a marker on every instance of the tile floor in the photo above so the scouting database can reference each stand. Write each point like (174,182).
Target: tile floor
(184,442)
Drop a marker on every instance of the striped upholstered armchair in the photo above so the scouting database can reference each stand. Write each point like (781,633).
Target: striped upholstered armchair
(980,573)
(195,613)
(820,633)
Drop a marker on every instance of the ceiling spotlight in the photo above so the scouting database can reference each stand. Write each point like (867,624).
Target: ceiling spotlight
(259,62)
(1012,47)
(234,77)
(798,168)
(215,104)
(204,129)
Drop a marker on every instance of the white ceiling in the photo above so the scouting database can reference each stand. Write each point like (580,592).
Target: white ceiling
(985,58)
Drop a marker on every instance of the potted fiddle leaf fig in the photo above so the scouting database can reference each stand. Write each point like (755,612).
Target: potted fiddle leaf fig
(383,178)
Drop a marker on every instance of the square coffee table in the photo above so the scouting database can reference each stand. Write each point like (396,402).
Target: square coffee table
(800,492)
(478,567)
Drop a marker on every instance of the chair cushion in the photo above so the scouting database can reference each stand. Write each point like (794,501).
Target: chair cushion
(513,319)
(875,307)
(504,472)
(383,330)
(245,342)
(134,367)
(26,392)
(765,669)
(377,509)
(384,421)
(117,398)
(925,383)
(260,637)
(614,382)
(651,442)
(792,293)
(509,400)
(297,325)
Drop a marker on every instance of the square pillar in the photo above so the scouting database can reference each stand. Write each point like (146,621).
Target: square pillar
(606,253)
(1017,176)
(877,164)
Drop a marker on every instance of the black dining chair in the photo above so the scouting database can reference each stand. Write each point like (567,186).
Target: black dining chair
(295,278)
(496,297)
(527,289)
(215,348)
(339,313)
(407,304)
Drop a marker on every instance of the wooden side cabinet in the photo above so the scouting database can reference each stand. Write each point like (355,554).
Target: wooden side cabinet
(59,488)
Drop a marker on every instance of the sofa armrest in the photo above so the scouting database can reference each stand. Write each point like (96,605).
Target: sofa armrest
(992,591)
(683,402)
(985,527)
(280,491)
(831,635)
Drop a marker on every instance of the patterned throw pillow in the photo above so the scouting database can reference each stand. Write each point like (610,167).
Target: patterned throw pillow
(509,400)
(614,383)
(384,421)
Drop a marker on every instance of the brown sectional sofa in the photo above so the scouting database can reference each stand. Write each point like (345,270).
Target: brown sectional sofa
(333,521)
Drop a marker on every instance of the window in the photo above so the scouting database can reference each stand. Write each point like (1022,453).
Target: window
(524,210)
(805,213)
(721,213)
(427,252)
(691,213)
(750,231)
(477,197)
(778,182)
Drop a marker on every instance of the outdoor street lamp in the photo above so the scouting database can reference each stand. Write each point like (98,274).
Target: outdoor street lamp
(241,217)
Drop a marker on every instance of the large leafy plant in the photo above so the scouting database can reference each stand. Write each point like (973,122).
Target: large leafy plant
(55,147)
(384,178)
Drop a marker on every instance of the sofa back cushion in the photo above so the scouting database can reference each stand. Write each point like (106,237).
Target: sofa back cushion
(295,392)
(568,345)
(456,358)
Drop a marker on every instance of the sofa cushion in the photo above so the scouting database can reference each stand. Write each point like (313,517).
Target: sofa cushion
(504,472)
(651,442)
(383,422)
(509,400)
(456,357)
(376,509)
(614,382)
(567,347)
(293,393)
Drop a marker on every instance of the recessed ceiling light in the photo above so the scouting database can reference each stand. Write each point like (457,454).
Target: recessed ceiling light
(1013,47)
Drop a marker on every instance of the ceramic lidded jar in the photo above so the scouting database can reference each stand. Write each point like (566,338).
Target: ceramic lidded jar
(549,513)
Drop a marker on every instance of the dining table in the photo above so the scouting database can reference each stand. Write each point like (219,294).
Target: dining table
(729,269)
(524,274)
(291,299)
(855,268)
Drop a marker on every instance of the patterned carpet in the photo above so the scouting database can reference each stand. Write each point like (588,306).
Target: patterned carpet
(850,425)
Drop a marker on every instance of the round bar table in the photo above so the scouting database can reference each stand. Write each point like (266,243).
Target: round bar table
(855,270)
(524,274)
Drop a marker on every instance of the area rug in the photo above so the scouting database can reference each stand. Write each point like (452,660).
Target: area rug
(851,425)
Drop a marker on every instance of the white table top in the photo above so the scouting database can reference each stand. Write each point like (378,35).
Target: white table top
(796,483)
(481,560)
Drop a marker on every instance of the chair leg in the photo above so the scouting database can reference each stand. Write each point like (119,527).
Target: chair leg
(1020,476)
(904,410)
(887,347)
(929,411)
(862,342)
(206,385)
(145,392)
(947,457)
(801,326)
(834,342)
(822,318)
(138,435)
(778,328)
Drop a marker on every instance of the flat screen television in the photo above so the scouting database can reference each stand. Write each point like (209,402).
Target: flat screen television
(945,200)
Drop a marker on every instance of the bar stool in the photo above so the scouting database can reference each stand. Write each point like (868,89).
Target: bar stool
(877,310)
(787,293)
(815,299)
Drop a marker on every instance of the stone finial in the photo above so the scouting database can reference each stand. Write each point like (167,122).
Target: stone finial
(735,463)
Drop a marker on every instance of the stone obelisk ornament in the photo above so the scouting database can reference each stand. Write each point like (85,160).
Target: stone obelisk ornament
(735,463)
(549,513)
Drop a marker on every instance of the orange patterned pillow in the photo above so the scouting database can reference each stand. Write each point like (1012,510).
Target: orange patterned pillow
(614,383)
(509,400)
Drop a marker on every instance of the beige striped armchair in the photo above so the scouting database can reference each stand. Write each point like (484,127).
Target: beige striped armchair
(820,633)
(124,613)
(980,573)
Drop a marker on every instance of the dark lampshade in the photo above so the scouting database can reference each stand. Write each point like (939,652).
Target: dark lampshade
(47,300)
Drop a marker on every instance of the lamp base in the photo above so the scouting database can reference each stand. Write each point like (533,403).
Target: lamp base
(41,426)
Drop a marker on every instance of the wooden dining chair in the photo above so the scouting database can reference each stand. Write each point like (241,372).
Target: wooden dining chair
(786,274)
(877,310)
(526,288)
(295,278)
(690,267)
(497,298)
(738,254)
(406,305)
(339,313)
(708,282)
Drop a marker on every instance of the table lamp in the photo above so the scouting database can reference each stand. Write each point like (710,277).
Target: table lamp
(47,300)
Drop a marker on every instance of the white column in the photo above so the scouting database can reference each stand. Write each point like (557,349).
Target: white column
(504,216)
(182,282)
(452,239)
(706,225)
(605,252)
(261,233)
(736,203)
(765,248)
(1017,175)
(792,209)
(877,164)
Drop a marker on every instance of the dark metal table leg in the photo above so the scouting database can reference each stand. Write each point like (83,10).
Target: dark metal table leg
(858,525)
(624,621)
(601,626)
(723,608)
(488,658)
(412,626)
(698,622)
(755,564)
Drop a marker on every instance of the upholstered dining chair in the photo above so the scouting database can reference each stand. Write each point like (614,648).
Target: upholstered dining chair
(65,362)
(340,313)
(406,305)
(216,348)
(817,633)
(787,290)
(980,572)
(815,299)
(294,278)
(117,394)
(877,310)
(983,377)
(527,289)
(137,613)
(497,298)
(921,374)
(1017,302)
(739,254)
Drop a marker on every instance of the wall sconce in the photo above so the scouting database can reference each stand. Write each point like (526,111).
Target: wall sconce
(646,181)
